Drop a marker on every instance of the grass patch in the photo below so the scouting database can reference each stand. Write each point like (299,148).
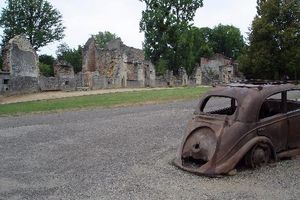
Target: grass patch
(103,100)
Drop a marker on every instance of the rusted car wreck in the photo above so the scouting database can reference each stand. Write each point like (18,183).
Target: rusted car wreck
(252,123)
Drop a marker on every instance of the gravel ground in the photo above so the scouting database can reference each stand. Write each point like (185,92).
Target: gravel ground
(121,153)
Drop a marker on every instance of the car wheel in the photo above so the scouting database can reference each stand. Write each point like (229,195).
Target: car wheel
(258,156)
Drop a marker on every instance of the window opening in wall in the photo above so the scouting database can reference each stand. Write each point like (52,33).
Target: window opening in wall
(5,81)
(66,82)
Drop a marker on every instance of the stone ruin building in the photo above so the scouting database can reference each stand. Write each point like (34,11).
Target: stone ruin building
(116,65)
(64,78)
(20,72)
(217,69)
(169,79)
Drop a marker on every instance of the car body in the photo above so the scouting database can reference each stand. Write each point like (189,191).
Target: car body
(255,123)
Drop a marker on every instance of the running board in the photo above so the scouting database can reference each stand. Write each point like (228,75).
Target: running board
(289,153)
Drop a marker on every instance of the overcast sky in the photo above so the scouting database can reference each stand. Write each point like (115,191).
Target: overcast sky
(83,18)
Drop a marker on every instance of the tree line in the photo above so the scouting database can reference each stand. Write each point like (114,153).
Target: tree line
(274,41)
(271,50)
(172,42)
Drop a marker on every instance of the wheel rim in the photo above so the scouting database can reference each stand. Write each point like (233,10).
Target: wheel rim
(258,156)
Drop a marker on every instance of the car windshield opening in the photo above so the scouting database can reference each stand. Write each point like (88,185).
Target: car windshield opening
(219,105)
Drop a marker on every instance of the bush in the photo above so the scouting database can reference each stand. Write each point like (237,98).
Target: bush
(46,70)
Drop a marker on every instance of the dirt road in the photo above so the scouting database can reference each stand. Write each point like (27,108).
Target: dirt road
(61,94)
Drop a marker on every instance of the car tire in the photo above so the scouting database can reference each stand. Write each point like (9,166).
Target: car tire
(258,156)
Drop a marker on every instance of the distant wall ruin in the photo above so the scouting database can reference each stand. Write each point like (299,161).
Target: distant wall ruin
(217,69)
(116,65)
(20,70)
(64,78)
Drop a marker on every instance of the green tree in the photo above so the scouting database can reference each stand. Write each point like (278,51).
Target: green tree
(227,40)
(164,23)
(72,56)
(102,38)
(1,59)
(204,42)
(274,41)
(36,19)
(46,70)
(194,44)
(46,63)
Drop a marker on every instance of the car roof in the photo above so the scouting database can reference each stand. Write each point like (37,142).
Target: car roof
(249,97)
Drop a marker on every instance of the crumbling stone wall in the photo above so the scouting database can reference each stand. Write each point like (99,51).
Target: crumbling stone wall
(64,78)
(150,75)
(89,58)
(20,59)
(4,81)
(21,62)
(63,69)
(196,78)
(49,83)
(23,84)
(161,81)
(65,73)
(183,78)
(218,68)
(117,64)
(169,79)
(79,80)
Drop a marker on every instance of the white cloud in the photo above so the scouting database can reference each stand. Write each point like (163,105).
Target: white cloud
(239,13)
(83,18)
(91,16)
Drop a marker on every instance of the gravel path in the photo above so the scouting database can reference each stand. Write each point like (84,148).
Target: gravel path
(121,153)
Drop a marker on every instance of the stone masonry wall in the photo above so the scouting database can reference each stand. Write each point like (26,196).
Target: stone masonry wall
(217,69)
(21,62)
(49,83)
(117,64)
(23,84)
(20,59)
(4,81)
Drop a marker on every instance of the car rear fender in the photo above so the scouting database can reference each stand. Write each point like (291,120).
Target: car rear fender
(230,163)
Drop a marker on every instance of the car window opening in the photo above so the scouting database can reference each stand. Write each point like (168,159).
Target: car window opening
(219,105)
(271,106)
(293,100)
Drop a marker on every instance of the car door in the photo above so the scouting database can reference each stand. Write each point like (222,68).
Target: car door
(272,121)
(293,115)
